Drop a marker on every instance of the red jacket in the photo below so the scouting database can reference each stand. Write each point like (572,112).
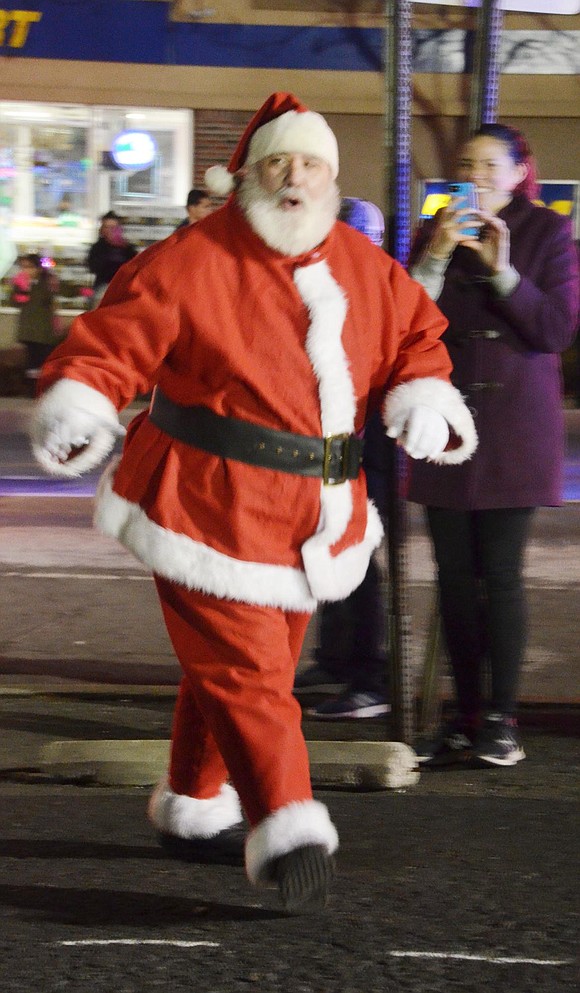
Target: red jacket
(307,345)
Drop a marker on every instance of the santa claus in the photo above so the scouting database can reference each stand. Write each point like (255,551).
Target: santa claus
(268,332)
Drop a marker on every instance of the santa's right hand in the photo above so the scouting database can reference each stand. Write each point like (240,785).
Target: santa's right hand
(73,430)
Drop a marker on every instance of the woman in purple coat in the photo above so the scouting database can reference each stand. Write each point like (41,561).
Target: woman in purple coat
(511,298)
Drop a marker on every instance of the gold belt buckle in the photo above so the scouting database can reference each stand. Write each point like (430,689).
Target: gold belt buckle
(327,479)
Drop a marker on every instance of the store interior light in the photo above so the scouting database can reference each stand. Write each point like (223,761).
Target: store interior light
(133,150)
(29,114)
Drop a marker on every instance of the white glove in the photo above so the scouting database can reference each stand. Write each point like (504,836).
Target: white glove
(422,431)
(75,428)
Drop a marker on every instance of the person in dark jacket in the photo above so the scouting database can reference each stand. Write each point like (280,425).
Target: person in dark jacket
(352,636)
(511,298)
(108,253)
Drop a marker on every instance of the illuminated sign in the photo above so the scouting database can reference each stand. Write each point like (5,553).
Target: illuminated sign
(15,25)
(525,6)
(133,150)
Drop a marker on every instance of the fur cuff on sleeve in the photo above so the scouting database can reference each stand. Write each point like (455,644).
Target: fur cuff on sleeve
(447,400)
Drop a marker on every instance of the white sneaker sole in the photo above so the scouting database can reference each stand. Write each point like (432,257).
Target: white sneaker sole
(374,711)
(512,759)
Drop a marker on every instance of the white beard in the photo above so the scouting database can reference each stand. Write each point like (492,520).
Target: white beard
(286,232)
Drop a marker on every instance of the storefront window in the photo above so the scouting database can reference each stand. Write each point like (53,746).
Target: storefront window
(58,177)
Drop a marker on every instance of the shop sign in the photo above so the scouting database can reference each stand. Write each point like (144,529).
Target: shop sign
(15,26)
(140,32)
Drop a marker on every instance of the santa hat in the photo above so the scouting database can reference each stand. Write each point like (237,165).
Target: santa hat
(282,125)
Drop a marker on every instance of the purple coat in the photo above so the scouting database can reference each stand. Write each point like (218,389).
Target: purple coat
(506,361)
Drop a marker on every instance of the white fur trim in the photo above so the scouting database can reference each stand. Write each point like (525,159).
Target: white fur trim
(305,822)
(444,398)
(193,564)
(188,817)
(197,566)
(327,306)
(302,133)
(55,403)
(219,180)
(333,577)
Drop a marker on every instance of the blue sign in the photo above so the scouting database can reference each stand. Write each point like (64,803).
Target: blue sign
(139,31)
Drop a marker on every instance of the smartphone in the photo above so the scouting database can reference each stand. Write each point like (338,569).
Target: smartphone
(465,195)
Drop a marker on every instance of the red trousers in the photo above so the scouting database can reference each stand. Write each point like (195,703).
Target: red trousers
(236,717)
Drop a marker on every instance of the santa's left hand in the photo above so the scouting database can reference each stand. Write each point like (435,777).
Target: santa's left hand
(422,431)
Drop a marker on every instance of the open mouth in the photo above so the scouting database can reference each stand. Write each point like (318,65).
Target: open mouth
(291,203)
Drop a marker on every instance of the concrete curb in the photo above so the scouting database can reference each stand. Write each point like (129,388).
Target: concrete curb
(370,765)
(88,690)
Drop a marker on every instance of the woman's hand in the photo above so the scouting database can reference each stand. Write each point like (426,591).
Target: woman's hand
(493,245)
(449,230)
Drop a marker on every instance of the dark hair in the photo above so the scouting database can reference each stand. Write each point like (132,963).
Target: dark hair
(33,259)
(196,196)
(111,215)
(520,151)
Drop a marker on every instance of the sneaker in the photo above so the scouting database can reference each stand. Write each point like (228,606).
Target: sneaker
(498,742)
(350,704)
(453,742)
(316,677)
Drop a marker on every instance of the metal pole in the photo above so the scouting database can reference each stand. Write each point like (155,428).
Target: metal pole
(398,103)
(486,68)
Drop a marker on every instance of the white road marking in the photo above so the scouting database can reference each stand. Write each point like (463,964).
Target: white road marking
(140,941)
(464,956)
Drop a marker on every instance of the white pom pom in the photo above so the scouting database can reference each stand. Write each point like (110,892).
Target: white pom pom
(219,181)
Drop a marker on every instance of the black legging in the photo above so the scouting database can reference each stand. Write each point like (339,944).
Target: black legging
(479,557)
(352,634)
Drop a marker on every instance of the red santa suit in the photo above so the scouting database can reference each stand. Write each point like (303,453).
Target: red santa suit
(242,554)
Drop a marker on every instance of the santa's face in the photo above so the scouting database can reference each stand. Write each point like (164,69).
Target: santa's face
(295,174)
(291,201)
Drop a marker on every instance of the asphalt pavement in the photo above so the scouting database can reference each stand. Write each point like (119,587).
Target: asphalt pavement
(434,893)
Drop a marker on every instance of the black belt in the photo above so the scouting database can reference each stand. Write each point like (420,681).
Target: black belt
(334,459)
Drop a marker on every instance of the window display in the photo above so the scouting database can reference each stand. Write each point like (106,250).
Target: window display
(63,166)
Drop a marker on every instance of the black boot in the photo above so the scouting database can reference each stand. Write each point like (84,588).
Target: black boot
(304,876)
(224,848)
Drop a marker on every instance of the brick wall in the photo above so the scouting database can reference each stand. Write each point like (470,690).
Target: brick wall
(217,133)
